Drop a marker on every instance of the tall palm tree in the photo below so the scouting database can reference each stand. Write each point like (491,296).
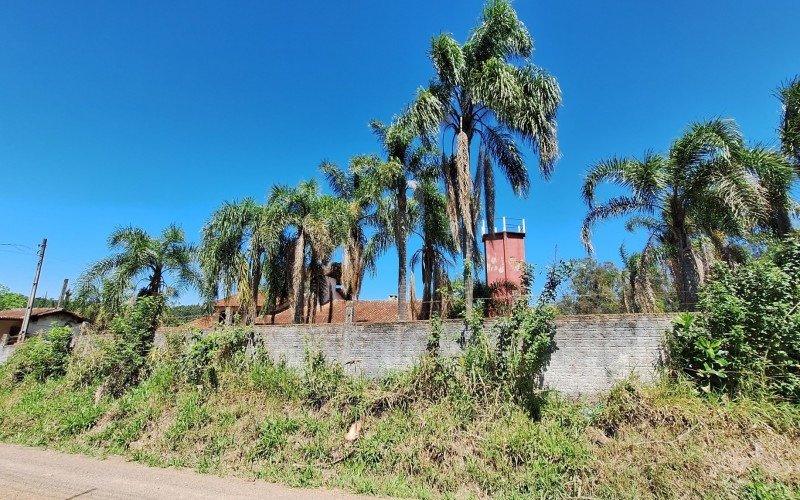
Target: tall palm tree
(318,223)
(480,94)
(438,248)
(164,263)
(701,186)
(775,174)
(408,157)
(360,187)
(233,252)
(789,96)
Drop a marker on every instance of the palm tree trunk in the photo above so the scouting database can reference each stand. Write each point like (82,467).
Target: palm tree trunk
(298,277)
(427,284)
(400,237)
(687,279)
(488,190)
(465,206)
(254,285)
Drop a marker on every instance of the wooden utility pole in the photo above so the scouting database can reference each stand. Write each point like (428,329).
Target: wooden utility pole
(29,307)
(63,294)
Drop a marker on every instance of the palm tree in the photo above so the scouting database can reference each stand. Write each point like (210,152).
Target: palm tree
(775,174)
(233,252)
(318,223)
(789,96)
(165,263)
(701,187)
(478,93)
(438,248)
(360,187)
(408,159)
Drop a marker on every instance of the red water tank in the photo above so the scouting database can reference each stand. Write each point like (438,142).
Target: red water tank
(505,261)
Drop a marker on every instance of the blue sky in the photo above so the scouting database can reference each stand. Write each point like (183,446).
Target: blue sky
(147,113)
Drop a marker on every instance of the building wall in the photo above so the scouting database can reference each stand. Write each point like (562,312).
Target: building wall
(6,324)
(591,352)
(36,326)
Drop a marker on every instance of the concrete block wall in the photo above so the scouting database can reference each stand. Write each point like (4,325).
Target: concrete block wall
(591,352)
(594,351)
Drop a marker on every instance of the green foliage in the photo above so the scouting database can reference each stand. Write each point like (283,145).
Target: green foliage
(525,337)
(208,352)
(789,95)
(594,288)
(509,360)
(123,361)
(181,314)
(11,300)
(747,337)
(104,286)
(42,356)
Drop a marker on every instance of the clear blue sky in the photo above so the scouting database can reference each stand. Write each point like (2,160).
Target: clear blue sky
(152,112)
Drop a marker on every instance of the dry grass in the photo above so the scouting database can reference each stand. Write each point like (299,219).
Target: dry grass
(423,435)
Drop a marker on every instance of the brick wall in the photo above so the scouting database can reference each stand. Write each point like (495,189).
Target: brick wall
(592,351)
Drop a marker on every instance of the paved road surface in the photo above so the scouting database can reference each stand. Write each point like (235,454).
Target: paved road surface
(34,473)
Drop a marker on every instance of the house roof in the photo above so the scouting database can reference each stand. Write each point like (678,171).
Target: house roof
(365,311)
(233,301)
(38,312)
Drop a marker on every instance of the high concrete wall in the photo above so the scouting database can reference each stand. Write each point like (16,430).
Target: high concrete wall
(36,326)
(591,352)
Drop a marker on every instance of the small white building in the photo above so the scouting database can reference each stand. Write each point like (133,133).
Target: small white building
(42,319)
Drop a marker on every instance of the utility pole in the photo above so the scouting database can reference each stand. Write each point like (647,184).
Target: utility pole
(29,307)
(63,294)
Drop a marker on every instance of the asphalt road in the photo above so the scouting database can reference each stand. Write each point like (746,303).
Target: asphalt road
(34,473)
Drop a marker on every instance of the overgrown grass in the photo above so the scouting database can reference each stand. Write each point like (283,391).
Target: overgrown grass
(430,432)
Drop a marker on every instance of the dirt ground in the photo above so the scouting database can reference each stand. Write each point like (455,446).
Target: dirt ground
(34,473)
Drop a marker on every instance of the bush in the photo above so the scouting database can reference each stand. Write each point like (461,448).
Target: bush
(746,337)
(208,352)
(124,360)
(42,356)
(524,340)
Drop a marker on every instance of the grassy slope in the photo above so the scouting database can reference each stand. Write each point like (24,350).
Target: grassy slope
(421,437)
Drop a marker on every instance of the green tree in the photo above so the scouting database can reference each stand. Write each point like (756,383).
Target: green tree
(593,288)
(165,263)
(704,186)
(360,187)
(480,94)
(408,159)
(438,248)
(318,224)
(11,300)
(233,252)
(789,95)
(748,338)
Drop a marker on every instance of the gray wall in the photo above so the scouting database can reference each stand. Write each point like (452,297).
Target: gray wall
(37,326)
(592,352)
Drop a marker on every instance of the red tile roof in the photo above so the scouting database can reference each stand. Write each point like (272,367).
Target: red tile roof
(37,312)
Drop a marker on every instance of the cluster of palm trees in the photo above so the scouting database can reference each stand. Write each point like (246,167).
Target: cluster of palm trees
(709,198)
(485,96)
(704,200)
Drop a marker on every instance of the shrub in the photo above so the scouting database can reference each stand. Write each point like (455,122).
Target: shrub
(43,356)
(123,361)
(207,352)
(524,340)
(746,337)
